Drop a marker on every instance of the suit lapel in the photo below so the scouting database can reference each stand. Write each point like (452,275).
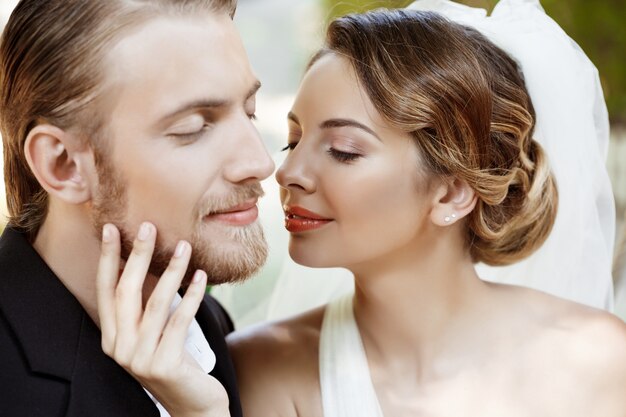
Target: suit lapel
(224,370)
(43,314)
(59,339)
(100,387)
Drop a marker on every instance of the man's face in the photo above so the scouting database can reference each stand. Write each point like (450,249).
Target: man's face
(181,149)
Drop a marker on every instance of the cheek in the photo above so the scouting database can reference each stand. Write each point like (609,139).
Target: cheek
(379,209)
(164,191)
(382,212)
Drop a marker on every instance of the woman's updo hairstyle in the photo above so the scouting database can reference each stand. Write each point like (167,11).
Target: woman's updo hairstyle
(464,101)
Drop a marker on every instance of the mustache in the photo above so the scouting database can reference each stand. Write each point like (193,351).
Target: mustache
(236,197)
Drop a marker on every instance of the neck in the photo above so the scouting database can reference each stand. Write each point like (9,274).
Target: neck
(416,306)
(70,246)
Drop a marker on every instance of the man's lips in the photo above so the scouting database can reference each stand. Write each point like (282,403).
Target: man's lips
(299,219)
(240,215)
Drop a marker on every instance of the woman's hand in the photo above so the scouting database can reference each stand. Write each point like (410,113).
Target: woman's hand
(148,343)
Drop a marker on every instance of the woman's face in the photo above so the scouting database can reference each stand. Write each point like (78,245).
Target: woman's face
(351,186)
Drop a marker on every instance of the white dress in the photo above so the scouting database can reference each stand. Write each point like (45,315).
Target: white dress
(345,380)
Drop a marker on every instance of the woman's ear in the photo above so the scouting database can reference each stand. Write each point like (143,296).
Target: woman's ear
(454,200)
(59,160)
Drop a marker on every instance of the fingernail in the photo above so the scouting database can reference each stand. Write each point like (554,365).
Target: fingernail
(106,233)
(144,231)
(180,249)
(198,276)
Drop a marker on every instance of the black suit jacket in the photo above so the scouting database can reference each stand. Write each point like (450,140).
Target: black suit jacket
(51,361)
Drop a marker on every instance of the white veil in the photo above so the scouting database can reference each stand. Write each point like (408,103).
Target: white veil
(572,126)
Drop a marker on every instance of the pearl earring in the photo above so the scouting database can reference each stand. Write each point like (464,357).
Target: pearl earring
(449,218)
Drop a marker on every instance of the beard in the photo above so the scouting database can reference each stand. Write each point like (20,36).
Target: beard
(231,259)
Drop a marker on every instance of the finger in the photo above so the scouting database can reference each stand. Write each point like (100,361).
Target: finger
(106,282)
(158,306)
(177,326)
(128,294)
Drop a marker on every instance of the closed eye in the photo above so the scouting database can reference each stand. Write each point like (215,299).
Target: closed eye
(343,156)
(192,136)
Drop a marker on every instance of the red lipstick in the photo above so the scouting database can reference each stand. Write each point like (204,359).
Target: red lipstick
(298,219)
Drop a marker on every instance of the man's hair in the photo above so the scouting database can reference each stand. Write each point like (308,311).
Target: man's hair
(51,71)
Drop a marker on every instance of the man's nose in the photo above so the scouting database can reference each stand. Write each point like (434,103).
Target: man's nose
(250,160)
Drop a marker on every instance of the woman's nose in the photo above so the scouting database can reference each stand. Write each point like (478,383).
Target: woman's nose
(296,172)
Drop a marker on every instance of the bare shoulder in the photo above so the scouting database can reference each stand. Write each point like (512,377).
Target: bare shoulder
(596,352)
(277,344)
(597,339)
(590,333)
(277,365)
(578,343)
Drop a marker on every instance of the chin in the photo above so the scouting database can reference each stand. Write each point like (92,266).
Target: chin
(311,259)
(229,262)
(231,273)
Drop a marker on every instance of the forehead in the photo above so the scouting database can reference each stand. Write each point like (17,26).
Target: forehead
(330,89)
(170,61)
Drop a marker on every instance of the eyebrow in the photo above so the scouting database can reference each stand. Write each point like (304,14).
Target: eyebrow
(208,103)
(335,123)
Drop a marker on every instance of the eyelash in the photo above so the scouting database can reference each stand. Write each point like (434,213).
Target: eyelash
(338,155)
(192,137)
(343,156)
(289,147)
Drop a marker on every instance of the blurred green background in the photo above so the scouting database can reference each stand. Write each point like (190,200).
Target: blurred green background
(599,27)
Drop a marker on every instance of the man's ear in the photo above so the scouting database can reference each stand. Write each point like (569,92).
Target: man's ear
(454,199)
(59,160)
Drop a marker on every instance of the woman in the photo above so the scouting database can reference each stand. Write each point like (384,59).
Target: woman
(411,158)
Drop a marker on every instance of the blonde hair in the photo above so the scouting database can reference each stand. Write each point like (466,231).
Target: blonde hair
(465,103)
(51,57)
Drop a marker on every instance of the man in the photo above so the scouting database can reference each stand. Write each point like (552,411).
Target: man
(118,112)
